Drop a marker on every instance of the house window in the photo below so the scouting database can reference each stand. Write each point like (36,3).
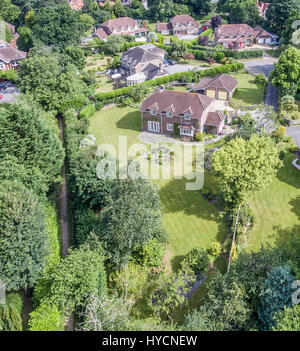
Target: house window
(1,65)
(169,114)
(170,127)
(153,126)
(187,116)
(14,63)
(153,112)
(186,131)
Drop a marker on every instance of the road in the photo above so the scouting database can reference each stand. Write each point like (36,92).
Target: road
(265,66)
(294,132)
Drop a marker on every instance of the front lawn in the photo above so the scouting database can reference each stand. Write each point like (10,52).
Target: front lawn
(189,219)
(247,92)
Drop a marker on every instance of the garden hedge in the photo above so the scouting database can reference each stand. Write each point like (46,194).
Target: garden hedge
(87,111)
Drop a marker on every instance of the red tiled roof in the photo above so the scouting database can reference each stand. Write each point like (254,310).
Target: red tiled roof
(234,29)
(182,19)
(118,23)
(181,102)
(214,118)
(222,81)
(100,33)
(163,26)
(9,54)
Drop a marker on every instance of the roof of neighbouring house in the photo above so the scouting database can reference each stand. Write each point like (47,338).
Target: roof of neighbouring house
(152,48)
(138,55)
(76,4)
(234,29)
(222,81)
(182,18)
(11,27)
(260,32)
(9,54)
(100,33)
(215,118)
(118,23)
(177,101)
(161,26)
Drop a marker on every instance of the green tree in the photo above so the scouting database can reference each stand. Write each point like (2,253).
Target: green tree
(276,294)
(131,218)
(197,260)
(87,21)
(58,26)
(243,167)
(25,39)
(10,313)
(240,11)
(46,318)
(118,9)
(178,49)
(8,11)
(76,278)
(30,138)
(24,242)
(287,71)
(280,12)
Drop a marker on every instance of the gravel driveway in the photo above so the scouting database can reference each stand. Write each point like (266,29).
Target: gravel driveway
(181,68)
(9,95)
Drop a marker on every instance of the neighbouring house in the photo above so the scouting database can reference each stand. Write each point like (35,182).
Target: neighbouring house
(262,8)
(12,28)
(76,5)
(220,88)
(206,25)
(166,110)
(142,63)
(179,25)
(121,26)
(10,56)
(237,36)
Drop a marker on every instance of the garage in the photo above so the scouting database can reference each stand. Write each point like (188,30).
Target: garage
(268,40)
(211,93)
(260,41)
(222,95)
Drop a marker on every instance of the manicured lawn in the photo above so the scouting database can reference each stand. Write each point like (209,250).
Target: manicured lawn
(247,92)
(106,84)
(189,219)
(277,207)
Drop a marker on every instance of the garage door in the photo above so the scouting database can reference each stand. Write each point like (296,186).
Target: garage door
(211,93)
(222,95)
(260,41)
(268,40)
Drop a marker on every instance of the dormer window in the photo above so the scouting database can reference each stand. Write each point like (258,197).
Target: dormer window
(153,112)
(187,116)
(169,114)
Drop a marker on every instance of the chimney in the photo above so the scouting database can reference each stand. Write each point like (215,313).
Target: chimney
(13,43)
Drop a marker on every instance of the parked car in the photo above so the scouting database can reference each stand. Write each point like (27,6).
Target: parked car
(8,83)
(166,63)
(172,62)
(2,86)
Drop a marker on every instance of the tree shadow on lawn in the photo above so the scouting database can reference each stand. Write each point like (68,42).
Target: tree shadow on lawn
(131,120)
(296,206)
(288,173)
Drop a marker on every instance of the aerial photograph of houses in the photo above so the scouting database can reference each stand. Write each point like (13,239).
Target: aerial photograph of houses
(149,169)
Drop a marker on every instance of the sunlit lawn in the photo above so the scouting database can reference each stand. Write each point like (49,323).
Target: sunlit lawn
(247,92)
(189,219)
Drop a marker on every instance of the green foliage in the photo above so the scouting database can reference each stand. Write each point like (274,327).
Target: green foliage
(58,25)
(77,277)
(10,313)
(151,253)
(276,294)
(287,320)
(260,80)
(50,83)
(87,112)
(131,218)
(215,249)
(243,167)
(84,221)
(25,39)
(8,11)
(29,137)
(286,74)
(10,74)
(75,56)
(24,244)
(197,260)
(46,318)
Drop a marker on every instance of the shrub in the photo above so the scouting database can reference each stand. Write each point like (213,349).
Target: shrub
(199,136)
(215,249)
(151,254)
(197,260)
(87,111)
(46,318)
(10,313)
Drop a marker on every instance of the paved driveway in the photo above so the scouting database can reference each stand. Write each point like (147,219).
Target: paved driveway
(181,68)
(9,95)
(265,66)
(294,132)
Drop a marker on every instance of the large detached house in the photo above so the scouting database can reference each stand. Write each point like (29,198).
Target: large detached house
(179,25)
(142,63)
(10,56)
(238,35)
(221,87)
(121,26)
(191,112)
